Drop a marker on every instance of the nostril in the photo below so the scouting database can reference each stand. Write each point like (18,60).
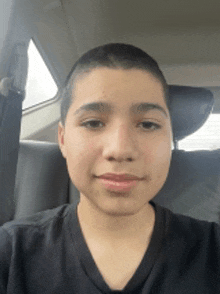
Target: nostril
(111,159)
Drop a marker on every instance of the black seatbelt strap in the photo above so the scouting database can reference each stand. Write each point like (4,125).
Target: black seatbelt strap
(12,93)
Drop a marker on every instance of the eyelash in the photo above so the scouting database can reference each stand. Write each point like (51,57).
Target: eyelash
(152,126)
(88,123)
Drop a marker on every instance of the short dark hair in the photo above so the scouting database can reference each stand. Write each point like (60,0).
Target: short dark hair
(115,55)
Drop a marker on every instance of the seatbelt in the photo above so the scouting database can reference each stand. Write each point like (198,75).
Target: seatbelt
(12,93)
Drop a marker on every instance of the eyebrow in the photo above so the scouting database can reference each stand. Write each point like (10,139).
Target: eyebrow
(94,106)
(145,107)
(106,107)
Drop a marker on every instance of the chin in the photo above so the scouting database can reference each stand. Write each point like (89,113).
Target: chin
(121,207)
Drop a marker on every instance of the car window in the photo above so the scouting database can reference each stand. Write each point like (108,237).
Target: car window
(40,83)
(206,138)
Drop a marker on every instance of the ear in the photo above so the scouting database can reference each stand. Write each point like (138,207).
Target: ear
(61,139)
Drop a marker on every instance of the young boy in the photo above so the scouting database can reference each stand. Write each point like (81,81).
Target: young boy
(115,134)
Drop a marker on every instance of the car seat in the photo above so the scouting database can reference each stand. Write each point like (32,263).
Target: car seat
(192,187)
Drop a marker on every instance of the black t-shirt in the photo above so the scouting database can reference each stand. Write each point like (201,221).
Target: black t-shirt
(47,253)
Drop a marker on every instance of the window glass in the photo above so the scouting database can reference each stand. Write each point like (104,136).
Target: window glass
(40,84)
(206,138)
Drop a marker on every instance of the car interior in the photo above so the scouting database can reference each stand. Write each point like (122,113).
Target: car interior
(183,36)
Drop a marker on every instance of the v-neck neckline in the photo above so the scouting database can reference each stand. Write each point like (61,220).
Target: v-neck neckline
(89,266)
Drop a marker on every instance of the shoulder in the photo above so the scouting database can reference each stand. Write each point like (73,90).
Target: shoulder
(187,225)
(192,239)
(36,224)
(188,232)
(24,238)
(40,228)
(193,228)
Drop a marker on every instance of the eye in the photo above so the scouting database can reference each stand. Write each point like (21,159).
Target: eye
(149,126)
(93,124)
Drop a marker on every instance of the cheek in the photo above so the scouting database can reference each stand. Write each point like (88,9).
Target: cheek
(81,153)
(77,144)
(162,162)
(163,151)
(157,163)
(157,153)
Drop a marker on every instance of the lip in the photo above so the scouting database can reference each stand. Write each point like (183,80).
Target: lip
(119,182)
(119,177)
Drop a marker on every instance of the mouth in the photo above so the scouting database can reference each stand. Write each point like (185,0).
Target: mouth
(119,182)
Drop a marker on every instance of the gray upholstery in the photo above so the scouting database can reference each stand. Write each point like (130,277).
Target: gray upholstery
(42,180)
(192,187)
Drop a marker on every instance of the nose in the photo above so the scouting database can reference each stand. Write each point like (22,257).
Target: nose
(121,145)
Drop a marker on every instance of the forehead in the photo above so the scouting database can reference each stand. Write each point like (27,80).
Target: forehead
(118,86)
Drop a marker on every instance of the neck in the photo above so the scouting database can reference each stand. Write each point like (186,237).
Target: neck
(115,228)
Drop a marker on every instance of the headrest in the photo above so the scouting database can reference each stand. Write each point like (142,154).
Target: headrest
(189,109)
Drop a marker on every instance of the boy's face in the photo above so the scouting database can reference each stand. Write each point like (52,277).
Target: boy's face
(118,124)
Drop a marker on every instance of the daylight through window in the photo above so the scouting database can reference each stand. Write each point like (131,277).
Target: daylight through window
(40,84)
(206,138)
